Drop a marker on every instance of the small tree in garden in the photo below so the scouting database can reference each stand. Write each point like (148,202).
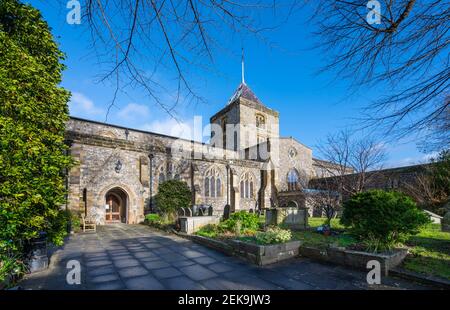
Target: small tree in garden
(172,196)
(382,220)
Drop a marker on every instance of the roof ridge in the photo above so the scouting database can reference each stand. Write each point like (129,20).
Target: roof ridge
(245,92)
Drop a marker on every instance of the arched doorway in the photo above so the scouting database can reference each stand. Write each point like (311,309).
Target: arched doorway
(116,206)
(292,204)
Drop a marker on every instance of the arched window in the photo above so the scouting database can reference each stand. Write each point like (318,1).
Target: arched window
(213,186)
(293,180)
(162,176)
(213,183)
(170,171)
(218,187)
(247,185)
(207,187)
(260,121)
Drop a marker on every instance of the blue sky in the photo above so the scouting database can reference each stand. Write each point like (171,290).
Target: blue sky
(283,77)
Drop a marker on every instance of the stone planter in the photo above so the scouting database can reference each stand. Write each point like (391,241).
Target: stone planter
(265,254)
(190,225)
(257,254)
(356,259)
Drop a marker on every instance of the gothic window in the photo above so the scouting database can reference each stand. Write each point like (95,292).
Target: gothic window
(213,183)
(162,176)
(168,171)
(218,187)
(293,180)
(247,185)
(207,187)
(260,121)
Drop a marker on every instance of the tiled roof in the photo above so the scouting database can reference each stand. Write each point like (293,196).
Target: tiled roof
(245,92)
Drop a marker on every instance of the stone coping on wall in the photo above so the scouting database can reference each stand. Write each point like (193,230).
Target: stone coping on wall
(421,278)
(355,259)
(257,254)
(191,224)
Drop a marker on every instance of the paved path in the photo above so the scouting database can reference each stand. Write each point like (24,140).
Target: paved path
(137,257)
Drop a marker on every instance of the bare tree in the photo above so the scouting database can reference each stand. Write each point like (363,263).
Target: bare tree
(348,161)
(405,56)
(431,186)
(154,44)
(325,201)
(437,135)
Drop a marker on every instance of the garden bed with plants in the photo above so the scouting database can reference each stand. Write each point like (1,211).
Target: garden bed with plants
(244,235)
(428,247)
(374,226)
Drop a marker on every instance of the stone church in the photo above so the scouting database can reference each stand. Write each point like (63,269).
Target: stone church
(246,164)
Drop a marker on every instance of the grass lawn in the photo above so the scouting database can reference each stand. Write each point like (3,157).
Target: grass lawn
(318,221)
(429,252)
(313,239)
(429,249)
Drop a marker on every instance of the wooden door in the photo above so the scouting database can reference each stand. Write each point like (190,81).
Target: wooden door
(113,212)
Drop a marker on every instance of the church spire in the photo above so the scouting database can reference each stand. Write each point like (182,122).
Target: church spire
(243,67)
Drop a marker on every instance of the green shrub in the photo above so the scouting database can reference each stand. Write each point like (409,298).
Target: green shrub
(172,196)
(11,265)
(75,221)
(242,222)
(33,115)
(209,231)
(382,220)
(153,219)
(273,235)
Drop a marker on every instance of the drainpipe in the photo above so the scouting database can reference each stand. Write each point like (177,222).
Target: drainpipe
(228,184)
(150,156)
(66,172)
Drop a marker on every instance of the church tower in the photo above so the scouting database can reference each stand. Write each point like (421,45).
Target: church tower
(244,123)
(247,126)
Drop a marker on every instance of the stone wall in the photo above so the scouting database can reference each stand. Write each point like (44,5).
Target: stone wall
(293,155)
(98,148)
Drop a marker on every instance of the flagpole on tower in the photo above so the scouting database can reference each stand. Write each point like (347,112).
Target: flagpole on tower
(243,67)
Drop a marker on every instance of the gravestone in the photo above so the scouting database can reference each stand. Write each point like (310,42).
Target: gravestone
(210,211)
(292,218)
(226,212)
(182,212)
(194,210)
(445,222)
(189,212)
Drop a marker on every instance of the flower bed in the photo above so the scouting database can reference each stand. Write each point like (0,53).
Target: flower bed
(355,259)
(243,236)
(252,252)
(429,250)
